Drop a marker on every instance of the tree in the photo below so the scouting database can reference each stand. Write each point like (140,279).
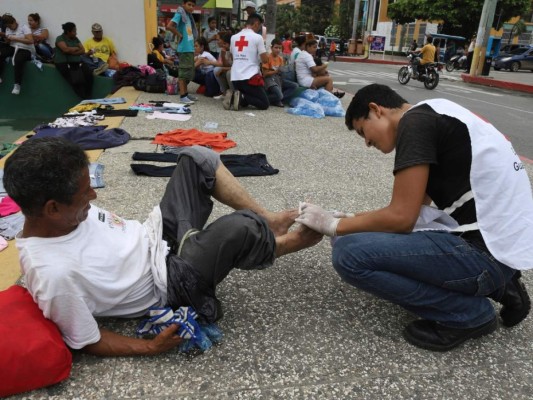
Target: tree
(459,17)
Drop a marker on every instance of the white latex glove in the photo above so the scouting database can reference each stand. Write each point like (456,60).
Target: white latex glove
(317,219)
(340,214)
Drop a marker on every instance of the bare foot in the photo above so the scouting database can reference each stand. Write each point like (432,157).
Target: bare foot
(298,239)
(280,222)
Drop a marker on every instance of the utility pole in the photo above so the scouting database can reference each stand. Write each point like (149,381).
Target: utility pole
(352,47)
(483,32)
(270,21)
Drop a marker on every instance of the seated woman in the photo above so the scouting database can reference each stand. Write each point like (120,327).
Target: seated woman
(158,58)
(204,63)
(40,37)
(68,62)
(309,74)
(20,48)
(222,69)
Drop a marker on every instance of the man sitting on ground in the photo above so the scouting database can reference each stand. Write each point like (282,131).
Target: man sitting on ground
(82,262)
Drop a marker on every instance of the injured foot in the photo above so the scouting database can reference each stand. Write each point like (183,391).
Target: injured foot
(300,238)
(280,222)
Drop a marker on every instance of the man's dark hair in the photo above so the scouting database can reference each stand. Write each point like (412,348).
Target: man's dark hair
(157,41)
(68,27)
(310,43)
(253,18)
(189,1)
(44,169)
(275,42)
(380,94)
(226,37)
(429,39)
(211,19)
(300,40)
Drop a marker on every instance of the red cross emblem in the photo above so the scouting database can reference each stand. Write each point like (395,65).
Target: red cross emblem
(241,44)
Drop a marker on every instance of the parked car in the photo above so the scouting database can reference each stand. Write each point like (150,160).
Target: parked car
(508,48)
(519,58)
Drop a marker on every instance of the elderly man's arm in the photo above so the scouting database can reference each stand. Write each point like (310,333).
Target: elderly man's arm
(114,344)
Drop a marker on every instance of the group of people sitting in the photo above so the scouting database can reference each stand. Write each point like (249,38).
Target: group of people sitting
(235,67)
(76,62)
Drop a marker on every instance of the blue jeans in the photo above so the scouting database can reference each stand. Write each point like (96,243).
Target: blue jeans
(277,95)
(435,275)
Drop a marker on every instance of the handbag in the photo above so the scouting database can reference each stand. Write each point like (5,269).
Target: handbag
(256,80)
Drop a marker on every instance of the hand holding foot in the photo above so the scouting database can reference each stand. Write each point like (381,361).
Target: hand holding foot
(298,239)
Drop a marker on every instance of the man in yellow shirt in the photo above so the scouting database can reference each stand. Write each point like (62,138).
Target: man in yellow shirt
(100,51)
(426,54)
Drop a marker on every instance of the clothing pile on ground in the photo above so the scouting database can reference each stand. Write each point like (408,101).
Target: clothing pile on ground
(11,219)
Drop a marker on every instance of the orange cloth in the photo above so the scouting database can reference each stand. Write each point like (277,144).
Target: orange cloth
(189,137)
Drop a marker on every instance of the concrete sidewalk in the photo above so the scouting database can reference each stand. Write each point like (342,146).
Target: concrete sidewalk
(295,330)
(521,81)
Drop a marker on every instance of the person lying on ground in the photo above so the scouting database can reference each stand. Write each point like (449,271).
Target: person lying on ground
(82,262)
(458,228)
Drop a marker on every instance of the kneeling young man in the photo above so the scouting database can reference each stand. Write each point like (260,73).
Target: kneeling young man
(82,262)
(475,232)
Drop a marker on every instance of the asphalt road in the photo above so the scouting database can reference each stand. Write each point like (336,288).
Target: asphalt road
(509,111)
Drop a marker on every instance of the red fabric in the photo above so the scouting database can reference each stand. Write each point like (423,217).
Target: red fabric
(8,206)
(190,137)
(256,80)
(33,354)
(201,89)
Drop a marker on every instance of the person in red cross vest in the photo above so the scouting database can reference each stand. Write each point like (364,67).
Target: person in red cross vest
(248,52)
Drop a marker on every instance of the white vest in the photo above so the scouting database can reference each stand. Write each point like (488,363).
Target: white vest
(500,187)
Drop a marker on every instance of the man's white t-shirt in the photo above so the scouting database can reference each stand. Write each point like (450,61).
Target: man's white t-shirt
(246,48)
(303,72)
(107,266)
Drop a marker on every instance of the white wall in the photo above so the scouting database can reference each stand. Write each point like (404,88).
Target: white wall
(122,20)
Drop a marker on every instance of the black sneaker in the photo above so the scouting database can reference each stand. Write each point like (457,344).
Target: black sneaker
(431,335)
(338,94)
(515,300)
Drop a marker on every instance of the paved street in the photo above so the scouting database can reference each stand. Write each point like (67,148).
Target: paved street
(294,331)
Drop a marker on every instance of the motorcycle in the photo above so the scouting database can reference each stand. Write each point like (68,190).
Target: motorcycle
(457,61)
(427,73)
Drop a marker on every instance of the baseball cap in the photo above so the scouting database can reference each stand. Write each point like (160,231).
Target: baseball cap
(96,28)
(249,4)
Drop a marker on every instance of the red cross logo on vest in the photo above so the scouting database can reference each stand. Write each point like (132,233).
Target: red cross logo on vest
(241,44)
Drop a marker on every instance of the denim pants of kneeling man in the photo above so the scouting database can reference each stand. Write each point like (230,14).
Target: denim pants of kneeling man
(433,274)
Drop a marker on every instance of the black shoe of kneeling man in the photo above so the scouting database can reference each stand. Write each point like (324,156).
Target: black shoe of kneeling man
(515,300)
(431,335)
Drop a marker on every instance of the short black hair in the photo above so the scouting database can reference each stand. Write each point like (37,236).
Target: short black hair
(374,93)
(44,169)
(68,27)
(157,41)
(275,42)
(211,19)
(226,37)
(429,39)
(300,40)
(253,18)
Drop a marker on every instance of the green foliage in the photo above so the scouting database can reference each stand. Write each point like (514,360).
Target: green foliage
(332,31)
(459,17)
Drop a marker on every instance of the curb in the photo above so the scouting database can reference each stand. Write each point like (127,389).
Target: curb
(369,60)
(520,87)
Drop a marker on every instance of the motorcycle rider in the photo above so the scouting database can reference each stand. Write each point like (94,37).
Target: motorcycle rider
(426,55)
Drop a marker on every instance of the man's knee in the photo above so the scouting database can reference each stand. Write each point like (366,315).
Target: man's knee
(240,226)
(348,258)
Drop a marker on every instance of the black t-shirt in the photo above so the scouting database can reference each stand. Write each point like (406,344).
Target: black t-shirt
(443,142)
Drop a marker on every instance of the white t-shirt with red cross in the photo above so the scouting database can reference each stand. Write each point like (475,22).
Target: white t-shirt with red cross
(246,47)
